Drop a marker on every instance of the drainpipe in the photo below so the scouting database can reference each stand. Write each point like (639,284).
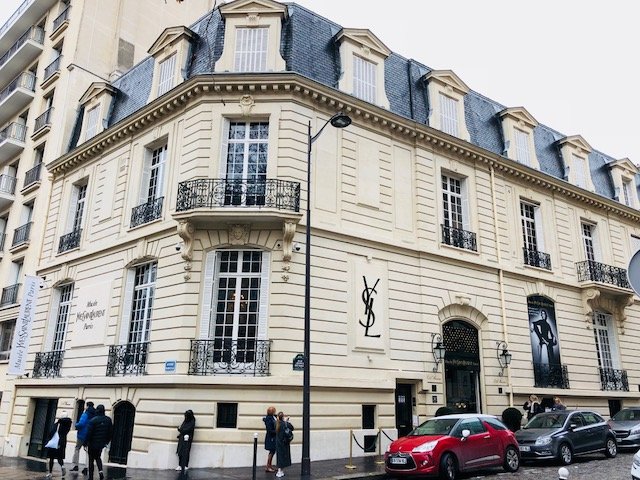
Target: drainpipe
(503,307)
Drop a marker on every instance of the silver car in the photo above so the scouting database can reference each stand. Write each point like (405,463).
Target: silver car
(626,426)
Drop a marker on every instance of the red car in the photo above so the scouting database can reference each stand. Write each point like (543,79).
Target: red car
(451,444)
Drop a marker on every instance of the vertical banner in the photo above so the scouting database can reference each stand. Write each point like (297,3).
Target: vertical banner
(545,346)
(24,322)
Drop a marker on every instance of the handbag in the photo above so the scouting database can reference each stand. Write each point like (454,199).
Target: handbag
(53,443)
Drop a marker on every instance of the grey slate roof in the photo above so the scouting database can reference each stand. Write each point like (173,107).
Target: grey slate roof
(309,49)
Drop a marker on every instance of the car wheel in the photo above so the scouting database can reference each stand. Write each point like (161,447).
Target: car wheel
(611,448)
(511,460)
(448,467)
(565,455)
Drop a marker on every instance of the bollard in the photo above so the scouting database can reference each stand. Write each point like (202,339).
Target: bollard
(563,473)
(255,454)
(351,466)
(380,460)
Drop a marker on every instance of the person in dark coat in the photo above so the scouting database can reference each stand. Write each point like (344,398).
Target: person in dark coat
(62,427)
(185,439)
(283,449)
(82,426)
(270,437)
(98,436)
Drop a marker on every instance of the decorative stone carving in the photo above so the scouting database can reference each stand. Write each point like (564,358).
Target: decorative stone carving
(246,104)
(253,18)
(593,299)
(288,231)
(239,234)
(186,232)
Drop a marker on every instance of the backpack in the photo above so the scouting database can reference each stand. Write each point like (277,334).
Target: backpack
(288,433)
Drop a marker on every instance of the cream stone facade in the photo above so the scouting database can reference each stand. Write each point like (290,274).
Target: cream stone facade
(184,287)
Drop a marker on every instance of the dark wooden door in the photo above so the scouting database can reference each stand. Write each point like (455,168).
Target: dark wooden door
(124,414)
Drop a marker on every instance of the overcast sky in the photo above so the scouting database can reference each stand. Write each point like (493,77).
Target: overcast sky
(572,64)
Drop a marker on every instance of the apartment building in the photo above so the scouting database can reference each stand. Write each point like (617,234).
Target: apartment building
(463,254)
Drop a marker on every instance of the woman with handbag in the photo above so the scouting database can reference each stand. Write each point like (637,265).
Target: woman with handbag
(57,443)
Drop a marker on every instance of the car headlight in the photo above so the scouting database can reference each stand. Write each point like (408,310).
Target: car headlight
(635,430)
(425,447)
(543,440)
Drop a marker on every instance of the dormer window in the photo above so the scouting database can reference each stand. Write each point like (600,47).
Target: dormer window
(251,49)
(171,53)
(626,193)
(448,115)
(446,102)
(517,129)
(92,122)
(96,102)
(523,154)
(575,153)
(167,70)
(623,173)
(580,171)
(364,79)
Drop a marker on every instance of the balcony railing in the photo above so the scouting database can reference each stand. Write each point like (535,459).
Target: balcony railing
(44,119)
(600,272)
(14,131)
(612,379)
(3,237)
(26,80)
(60,19)
(21,234)
(534,258)
(70,240)
(52,68)
(34,33)
(47,364)
(32,176)
(456,237)
(129,359)
(147,212)
(215,192)
(550,375)
(7,184)
(225,357)
(9,295)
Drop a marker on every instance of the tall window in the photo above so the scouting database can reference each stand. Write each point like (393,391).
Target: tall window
(580,169)
(142,306)
(79,197)
(6,338)
(251,49)
(92,123)
(167,74)
(602,331)
(448,115)
(452,202)
(62,318)
(588,241)
(626,192)
(246,166)
(522,147)
(156,173)
(364,79)
(528,219)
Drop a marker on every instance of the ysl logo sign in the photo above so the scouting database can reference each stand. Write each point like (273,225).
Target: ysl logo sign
(367,299)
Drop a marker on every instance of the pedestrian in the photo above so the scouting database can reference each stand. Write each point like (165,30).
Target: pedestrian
(57,444)
(98,436)
(185,439)
(557,404)
(532,406)
(270,437)
(283,439)
(81,434)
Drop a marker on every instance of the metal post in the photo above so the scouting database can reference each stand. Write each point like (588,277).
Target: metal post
(255,455)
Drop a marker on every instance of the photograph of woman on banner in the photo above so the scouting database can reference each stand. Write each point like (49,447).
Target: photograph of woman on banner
(545,347)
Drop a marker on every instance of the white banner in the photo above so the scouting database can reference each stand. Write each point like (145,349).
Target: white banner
(92,311)
(24,322)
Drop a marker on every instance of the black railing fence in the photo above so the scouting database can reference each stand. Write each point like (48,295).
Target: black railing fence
(226,356)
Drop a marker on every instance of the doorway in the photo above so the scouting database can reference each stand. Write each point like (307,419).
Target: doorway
(404,408)
(124,414)
(462,367)
(44,416)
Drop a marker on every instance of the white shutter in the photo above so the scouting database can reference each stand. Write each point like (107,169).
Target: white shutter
(73,203)
(207,294)
(579,171)
(251,49)
(161,170)
(597,250)
(127,304)
(143,196)
(265,283)
(448,115)
(224,148)
(53,317)
(92,123)
(537,212)
(166,74)
(466,214)
(522,147)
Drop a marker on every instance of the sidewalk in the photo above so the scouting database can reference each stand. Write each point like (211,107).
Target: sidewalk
(365,468)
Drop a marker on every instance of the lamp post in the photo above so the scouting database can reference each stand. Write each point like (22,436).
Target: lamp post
(339,120)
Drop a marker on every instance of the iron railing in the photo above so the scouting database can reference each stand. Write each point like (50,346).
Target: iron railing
(14,131)
(146,212)
(550,375)
(48,364)
(226,356)
(3,237)
(44,119)
(535,258)
(33,33)
(33,175)
(26,80)
(60,19)
(52,68)
(21,234)
(612,379)
(456,237)
(217,192)
(129,359)
(9,295)
(70,240)
(600,272)
(7,184)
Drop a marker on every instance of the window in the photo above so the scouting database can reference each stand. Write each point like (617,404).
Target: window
(603,333)
(75,218)
(156,173)
(532,236)
(368,416)
(251,49)
(167,74)
(142,306)
(448,115)
(364,79)
(454,209)
(587,241)
(3,232)
(62,318)
(580,168)
(522,147)
(92,123)
(152,191)
(626,193)
(6,338)
(227,415)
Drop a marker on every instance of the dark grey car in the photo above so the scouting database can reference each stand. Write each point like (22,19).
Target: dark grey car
(626,426)
(563,434)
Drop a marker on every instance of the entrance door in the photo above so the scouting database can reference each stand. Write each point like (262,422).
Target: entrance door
(404,409)
(124,414)
(44,416)
(462,367)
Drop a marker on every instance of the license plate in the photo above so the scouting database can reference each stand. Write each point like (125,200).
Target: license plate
(525,448)
(398,460)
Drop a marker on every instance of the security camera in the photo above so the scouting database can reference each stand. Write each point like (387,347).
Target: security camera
(179,246)
(297,247)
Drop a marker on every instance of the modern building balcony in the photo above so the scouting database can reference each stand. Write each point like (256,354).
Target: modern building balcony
(614,380)
(129,359)
(147,212)
(230,357)
(7,190)
(21,235)
(52,72)
(48,364)
(535,258)
(12,138)
(550,375)
(456,237)
(603,274)
(32,178)
(16,96)
(42,124)
(28,13)
(9,295)
(70,241)
(60,23)
(21,54)
(210,200)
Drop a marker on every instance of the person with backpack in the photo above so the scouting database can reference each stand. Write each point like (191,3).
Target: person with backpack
(284,435)
(98,436)
(82,426)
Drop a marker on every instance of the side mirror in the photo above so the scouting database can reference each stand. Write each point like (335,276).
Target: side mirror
(573,426)
(465,434)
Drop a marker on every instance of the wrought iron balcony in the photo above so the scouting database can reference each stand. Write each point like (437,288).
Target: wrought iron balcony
(48,364)
(612,379)
(9,295)
(550,375)
(21,234)
(216,192)
(456,237)
(14,131)
(70,241)
(52,68)
(35,34)
(60,19)
(32,176)
(600,272)
(7,184)
(129,359)
(229,357)
(44,120)
(147,212)
(534,258)
(3,237)
(25,80)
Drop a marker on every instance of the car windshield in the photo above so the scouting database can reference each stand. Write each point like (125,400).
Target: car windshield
(547,420)
(435,426)
(626,415)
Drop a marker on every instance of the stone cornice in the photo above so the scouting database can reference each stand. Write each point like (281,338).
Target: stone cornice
(229,85)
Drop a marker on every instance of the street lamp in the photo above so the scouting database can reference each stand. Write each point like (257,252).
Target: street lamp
(339,120)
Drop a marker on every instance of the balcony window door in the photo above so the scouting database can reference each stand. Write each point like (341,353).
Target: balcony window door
(62,317)
(588,241)
(144,284)
(152,189)
(604,337)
